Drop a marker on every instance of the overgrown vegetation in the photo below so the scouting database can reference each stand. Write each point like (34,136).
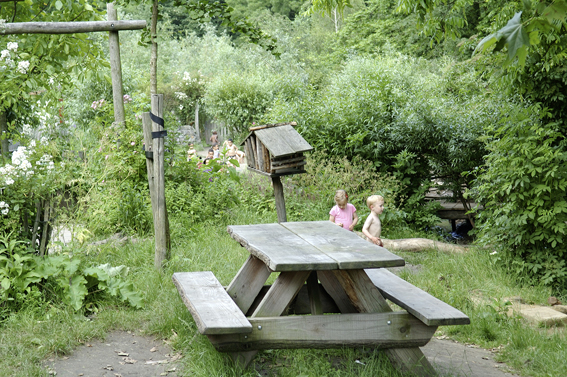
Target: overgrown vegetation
(392,107)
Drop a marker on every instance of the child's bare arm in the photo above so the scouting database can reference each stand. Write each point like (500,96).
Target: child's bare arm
(354,221)
(332,219)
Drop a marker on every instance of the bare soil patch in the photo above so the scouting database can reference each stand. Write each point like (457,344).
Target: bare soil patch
(120,354)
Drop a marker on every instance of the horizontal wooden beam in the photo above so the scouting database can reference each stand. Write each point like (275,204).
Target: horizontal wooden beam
(378,330)
(69,27)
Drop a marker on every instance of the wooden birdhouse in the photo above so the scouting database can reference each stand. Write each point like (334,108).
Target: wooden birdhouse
(276,150)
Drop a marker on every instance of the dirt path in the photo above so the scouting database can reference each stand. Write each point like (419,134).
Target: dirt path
(121,354)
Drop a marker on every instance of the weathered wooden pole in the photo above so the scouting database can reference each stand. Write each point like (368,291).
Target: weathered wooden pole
(280,201)
(160,216)
(115,67)
(69,27)
(4,144)
(154,48)
(198,133)
(148,146)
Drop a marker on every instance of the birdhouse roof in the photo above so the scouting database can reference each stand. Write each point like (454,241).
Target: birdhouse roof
(281,140)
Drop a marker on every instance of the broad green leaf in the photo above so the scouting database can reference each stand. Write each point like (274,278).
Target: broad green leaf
(58,5)
(555,11)
(5,283)
(485,43)
(77,291)
(515,35)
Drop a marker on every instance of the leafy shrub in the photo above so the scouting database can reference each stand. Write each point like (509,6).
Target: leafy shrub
(401,115)
(237,99)
(522,187)
(24,276)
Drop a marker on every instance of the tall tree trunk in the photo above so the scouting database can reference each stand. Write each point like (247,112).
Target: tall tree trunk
(154,53)
(4,134)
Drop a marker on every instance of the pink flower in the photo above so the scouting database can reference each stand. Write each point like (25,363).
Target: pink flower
(106,157)
(133,143)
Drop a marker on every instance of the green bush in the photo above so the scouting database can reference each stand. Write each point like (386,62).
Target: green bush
(522,187)
(418,120)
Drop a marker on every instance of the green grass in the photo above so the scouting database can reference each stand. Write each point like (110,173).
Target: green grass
(32,335)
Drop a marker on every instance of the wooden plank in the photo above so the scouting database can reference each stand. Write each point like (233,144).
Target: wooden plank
(314,294)
(148,145)
(265,125)
(69,27)
(267,165)
(253,146)
(272,140)
(364,297)
(293,139)
(334,288)
(377,330)
(430,310)
(259,155)
(212,308)
(349,250)
(280,249)
(295,165)
(248,282)
(286,161)
(301,303)
(280,173)
(281,294)
(250,157)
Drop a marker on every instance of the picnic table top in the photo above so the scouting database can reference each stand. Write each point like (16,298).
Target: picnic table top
(311,245)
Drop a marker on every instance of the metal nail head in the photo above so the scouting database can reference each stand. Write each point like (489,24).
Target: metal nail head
(389,323)
(259,327)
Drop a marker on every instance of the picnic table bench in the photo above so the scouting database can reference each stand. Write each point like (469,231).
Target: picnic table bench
(322,269)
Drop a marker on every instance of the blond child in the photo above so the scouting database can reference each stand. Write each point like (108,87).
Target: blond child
(372,226)
(343,213)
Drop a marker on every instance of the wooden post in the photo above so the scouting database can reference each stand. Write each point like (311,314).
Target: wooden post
(148,142)
(5,145)
(198,133)
(280,201)
(161,224)
(115,67)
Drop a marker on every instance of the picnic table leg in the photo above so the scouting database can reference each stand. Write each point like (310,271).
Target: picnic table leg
(276,301)
(248,282)
(314,294)
(367,299)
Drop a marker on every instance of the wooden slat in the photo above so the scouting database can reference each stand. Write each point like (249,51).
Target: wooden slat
(212,308)
(349,250)
(271,139)
(281,294)
(377,330)
(248,282)
(301,303)
(280,249)
(259,155)
(250,157)
(265,125)
(334,288)
(428,309)
(293,139)
(314,294)
(368,300)
(286,160)
(295,165)
(267,166)
(253,146)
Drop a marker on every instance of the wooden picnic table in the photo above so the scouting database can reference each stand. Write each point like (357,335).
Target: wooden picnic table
(322,268)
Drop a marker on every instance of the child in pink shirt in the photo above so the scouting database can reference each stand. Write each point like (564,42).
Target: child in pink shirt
(343,213)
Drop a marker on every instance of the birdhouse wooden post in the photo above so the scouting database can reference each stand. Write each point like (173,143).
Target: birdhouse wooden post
(276,150)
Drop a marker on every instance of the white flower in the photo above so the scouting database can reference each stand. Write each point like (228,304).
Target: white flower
(9,181)
(181,95)
(13,46)
(494,253)
(27,130)
(5,211)
(32,143)
(4,54)
(51,81)
(44,140)
(186,76)
(23,66)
